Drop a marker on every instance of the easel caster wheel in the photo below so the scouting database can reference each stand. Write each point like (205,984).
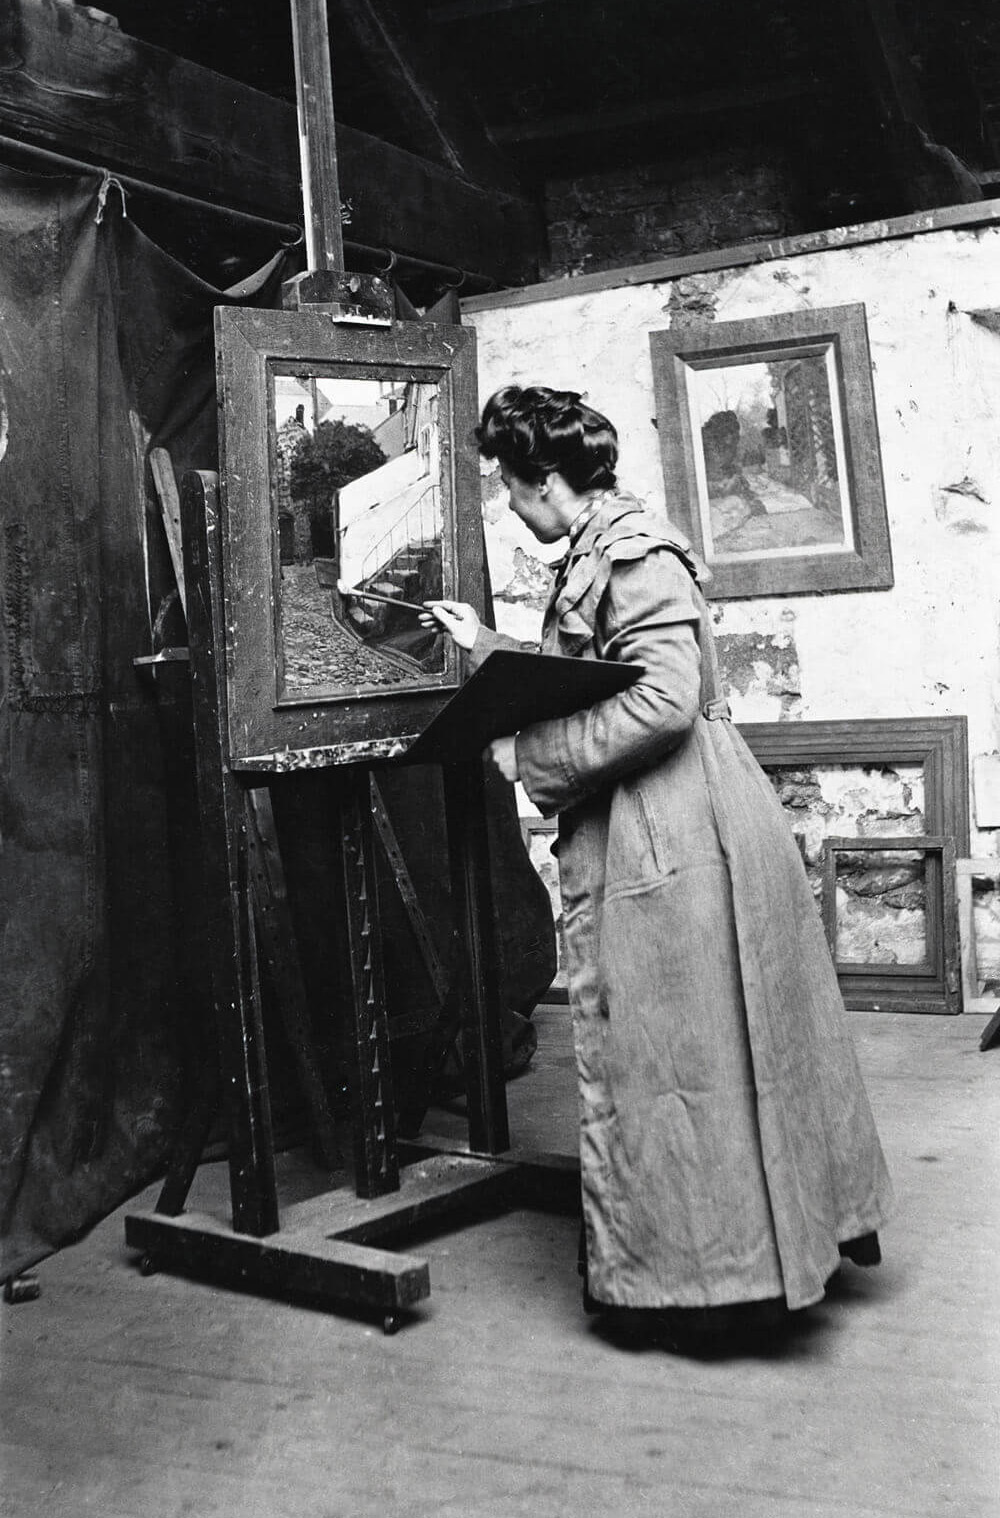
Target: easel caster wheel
(21,1289)
(148,1265)
(391,1322)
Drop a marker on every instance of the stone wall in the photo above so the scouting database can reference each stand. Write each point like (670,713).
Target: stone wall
(928,646)
(726,195)
(880,900)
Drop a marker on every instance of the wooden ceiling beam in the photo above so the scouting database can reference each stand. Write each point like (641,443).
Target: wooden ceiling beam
(443,124)
(73,84)
(926,174)
(464,10)
(647,113)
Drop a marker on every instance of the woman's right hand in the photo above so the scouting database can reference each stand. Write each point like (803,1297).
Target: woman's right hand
(459,620)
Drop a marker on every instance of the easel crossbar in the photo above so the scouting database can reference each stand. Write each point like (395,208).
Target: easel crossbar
(336,1270)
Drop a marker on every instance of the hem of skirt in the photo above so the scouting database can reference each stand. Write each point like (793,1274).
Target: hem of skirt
(862,1249)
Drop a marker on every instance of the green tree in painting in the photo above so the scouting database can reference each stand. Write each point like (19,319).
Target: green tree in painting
(331,457)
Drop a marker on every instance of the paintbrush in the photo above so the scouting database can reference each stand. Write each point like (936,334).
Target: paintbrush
(370,595)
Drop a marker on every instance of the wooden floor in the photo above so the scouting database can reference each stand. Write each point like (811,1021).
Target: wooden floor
(134,1397)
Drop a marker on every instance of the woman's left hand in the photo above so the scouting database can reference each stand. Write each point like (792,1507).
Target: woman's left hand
(503,752)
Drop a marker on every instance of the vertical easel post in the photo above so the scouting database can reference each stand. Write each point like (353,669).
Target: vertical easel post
(472,901)
(317,135)
(222,804)
(376,1162)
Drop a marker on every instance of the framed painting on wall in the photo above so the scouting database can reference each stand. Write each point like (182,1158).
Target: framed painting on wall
(770,452)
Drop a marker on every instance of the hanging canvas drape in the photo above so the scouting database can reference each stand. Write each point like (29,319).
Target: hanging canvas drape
(106,351)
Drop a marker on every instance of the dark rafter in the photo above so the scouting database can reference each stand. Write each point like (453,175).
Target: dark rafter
(438,115)
(70,83)
(464,10)
(926,173)
(648,112)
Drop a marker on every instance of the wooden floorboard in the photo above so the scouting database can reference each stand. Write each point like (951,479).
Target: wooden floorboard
(134,1397)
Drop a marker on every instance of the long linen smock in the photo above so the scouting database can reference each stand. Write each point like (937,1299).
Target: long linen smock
(727,1144)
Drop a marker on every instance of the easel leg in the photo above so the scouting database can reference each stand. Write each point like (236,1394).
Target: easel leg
(222,805)
(472,899)
(375,1157)
(189,1148)
(277,942)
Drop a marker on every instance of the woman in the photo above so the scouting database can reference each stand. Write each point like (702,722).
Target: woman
(728,1151)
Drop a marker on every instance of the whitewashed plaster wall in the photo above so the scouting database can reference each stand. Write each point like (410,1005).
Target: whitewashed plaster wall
(930,645)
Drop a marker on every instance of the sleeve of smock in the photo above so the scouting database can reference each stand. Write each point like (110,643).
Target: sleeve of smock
(488,639)
(647,616)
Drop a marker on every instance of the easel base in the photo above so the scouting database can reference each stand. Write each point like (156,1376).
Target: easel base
(322,1252)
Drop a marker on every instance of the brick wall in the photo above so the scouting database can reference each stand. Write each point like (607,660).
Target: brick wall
(655,210)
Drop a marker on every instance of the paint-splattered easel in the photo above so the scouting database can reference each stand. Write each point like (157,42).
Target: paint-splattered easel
(323,1248)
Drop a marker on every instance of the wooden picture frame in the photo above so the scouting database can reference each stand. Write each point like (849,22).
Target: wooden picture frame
(939,745)
(930,985)
(307,682)
(966,871)
(770,449)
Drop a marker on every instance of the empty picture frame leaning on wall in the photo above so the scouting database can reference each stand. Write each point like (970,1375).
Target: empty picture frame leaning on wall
(975,998)
(770,452)
(930,984)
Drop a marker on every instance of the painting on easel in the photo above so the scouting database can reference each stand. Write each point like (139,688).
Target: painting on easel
(344,452)
(361,530)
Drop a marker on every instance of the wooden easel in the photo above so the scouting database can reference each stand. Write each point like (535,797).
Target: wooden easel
(323,1248)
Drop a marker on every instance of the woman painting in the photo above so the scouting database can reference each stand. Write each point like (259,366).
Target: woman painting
(728,1150)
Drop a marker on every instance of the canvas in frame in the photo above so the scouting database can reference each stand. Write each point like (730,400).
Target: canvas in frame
(770,451)
(349,496)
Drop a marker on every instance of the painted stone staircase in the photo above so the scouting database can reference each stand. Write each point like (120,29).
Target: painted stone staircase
(413,574)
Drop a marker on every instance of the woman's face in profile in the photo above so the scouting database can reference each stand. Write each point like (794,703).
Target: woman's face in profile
(530,503)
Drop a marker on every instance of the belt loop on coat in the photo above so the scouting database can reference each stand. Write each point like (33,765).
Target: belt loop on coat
(716,710)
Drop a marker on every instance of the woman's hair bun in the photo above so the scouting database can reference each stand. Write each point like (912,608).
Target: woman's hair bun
(535,430)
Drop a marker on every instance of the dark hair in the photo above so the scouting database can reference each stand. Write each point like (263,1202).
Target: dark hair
(536,431)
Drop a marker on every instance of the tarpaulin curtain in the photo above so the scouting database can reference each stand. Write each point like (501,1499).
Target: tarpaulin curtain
(105,349)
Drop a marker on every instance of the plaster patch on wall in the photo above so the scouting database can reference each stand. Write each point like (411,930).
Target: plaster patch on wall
(760,667)
(518,621)
(960,507)
(789,278)
(758,660)
(891,794)
(850,802)
(693,301)
(494,492)
(755,616)
(529,583)
(881,916)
